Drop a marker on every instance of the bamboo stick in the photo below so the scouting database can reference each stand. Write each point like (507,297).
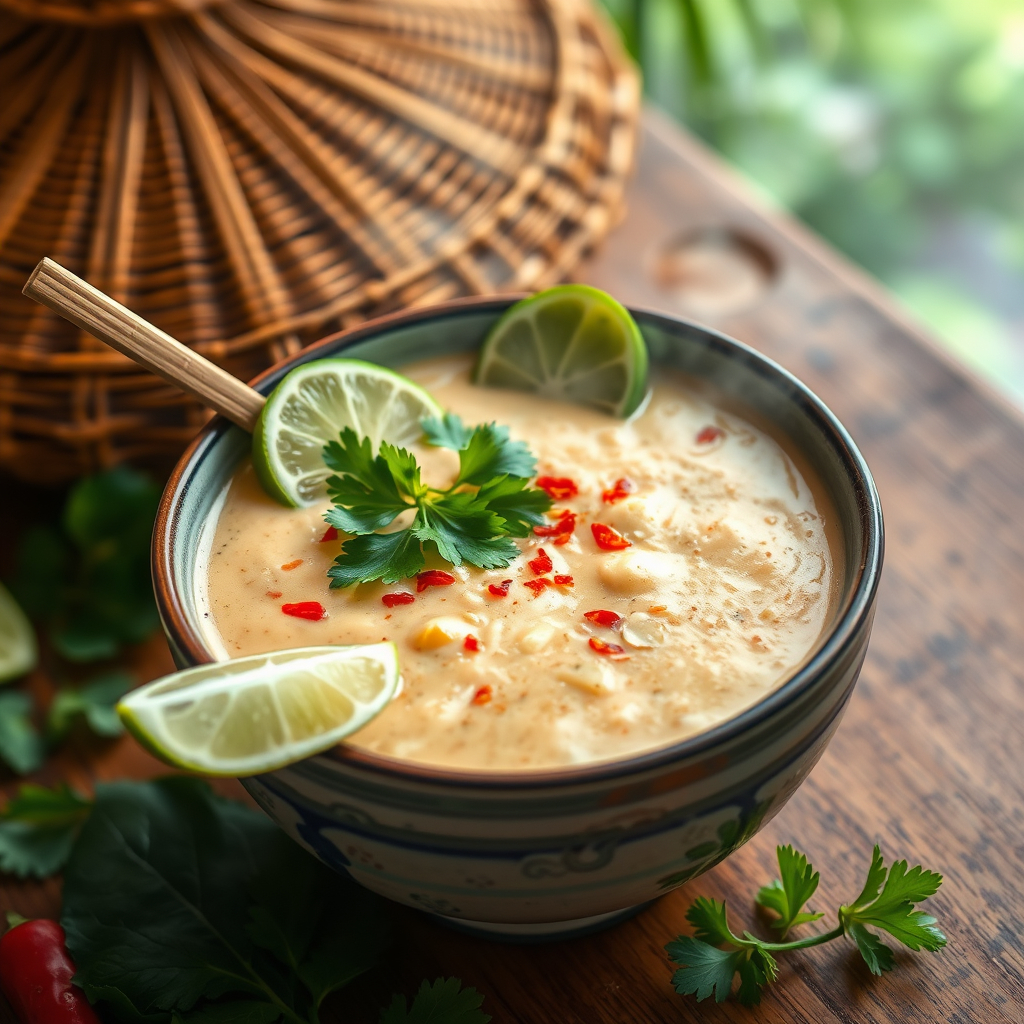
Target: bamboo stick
(103,318)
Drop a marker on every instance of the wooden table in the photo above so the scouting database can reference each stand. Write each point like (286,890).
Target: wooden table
(929,760)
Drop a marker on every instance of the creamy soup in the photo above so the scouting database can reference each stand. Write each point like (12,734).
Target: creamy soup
(573,653)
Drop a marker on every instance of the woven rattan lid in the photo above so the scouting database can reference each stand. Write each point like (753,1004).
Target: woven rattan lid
(254,174)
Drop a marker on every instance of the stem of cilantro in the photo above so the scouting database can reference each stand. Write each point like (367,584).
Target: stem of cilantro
(813,940)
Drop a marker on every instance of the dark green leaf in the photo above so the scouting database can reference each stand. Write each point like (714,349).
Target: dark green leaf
(367,494)
(95,701)
(873,883)
(38,828)
(448,432)
(877,955)
(710,921)
(787,894)
(465,530)
(756,972)
(706,970)
(521,507)
(389,557)
(490,453)
(444,1002)
(21,747)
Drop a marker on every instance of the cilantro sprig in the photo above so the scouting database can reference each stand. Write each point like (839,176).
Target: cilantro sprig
(470,521)
(714,956)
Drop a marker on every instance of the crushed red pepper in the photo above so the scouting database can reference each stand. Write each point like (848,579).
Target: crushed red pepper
(538,585)
(619,490)
(602,647)
(471,643)
(541,564)
(274,593)
(558,487)
(288,566)
(709,434)
(561,530)
(433,578)
(401,597)
(499,589)
(608,539)
(603,617)
(564,581)
(483,695)
(330,534)
(312,610)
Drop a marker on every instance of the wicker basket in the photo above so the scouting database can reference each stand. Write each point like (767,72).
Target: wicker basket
(253,174)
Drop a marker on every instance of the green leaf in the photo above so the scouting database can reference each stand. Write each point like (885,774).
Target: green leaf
(388,557)
(706,970)
(465,530)
(873,883)
(787,894)
(448,432)
(489,453)
(756,972)
(444,1002)
(366,495)
(38,828)
(174,897)
(96,702)
(710,922)
(520,507)
(877,955)
(21,747)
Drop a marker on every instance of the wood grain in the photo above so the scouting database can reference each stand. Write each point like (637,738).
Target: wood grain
(928,758)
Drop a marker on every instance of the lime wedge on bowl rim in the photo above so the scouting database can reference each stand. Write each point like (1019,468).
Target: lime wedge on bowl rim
(255,714)
(571,342)
(312,405)
(18,650)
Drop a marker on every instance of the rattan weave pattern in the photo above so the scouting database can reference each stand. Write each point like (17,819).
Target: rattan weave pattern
(253,174)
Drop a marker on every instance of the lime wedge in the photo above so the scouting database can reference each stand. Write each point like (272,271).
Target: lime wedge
(310,407)
(18,651)
(572,342)
(255,714)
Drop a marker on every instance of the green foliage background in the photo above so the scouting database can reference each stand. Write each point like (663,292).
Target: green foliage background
(892,127)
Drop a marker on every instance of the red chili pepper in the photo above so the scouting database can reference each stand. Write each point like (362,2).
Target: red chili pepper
(35,975)
(558,487)
(541,564)
(561,530)
(401,597)
(709,434)
(433,578)
(608,539)
(471,643)
(483,695)
(294,564)
(274,593)
(538,585)
(619,490)
(605,648)
(312,610)
(564,581)
(330,534)
(601,617)
(500,589)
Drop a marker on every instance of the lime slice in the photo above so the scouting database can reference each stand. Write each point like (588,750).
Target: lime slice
(572,342)
(18,651)
(255,714)
(310,407)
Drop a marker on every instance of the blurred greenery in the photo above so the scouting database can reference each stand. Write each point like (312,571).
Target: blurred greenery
(892,127)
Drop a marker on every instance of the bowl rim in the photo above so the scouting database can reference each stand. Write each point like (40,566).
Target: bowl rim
(852,617)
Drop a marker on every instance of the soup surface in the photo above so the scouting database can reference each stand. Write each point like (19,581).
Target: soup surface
(723,590)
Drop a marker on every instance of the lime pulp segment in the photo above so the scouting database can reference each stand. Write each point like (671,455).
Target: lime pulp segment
(573,343)
(18,651)
(263,712)
(312,405)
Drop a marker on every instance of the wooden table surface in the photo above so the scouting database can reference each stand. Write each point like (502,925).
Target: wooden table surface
(929,760)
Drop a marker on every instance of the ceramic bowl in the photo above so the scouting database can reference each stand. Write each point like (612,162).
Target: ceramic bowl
(556,851)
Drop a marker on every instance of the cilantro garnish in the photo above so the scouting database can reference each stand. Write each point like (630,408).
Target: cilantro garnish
(444,1002)
(470,521)
(886,903)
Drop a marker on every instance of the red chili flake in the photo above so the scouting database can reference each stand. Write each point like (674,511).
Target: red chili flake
(709,434)
(330,534)
(558,487)
(274,593)
(483,695)
(602,617)
(608,539)
(500,589)
(433,578)
(471,643)
(312,610)
(619,490)
(400,597)
(541,564)
(538,585)
(605,648)
(288,566)
(563,581)
(560,530)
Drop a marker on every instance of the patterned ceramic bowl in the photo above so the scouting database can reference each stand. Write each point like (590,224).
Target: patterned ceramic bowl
(558,851)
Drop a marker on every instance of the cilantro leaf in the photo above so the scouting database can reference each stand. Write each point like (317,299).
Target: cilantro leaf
(706,970)
(709,920)
(38,828)
(877,955)
(876,876)
(464,529)
(447,432)
(756,972)
(388,557)
(521,508)
(787,894)
(21,747)
(95,702)
(489,452)
(444,1002)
